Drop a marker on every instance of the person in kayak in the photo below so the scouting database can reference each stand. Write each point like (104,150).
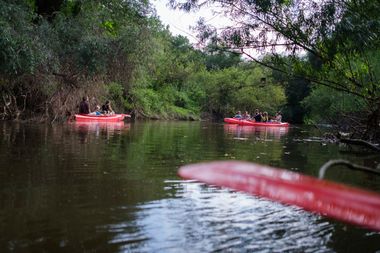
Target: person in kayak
(84,106)
(278,117)
(264,117)
(246,116)
(257,116)
(97,112)
(107,109)
(238,115)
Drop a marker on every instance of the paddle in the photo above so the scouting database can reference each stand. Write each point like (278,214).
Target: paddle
(331,199)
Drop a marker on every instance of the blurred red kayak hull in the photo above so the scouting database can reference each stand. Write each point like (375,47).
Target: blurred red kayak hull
(327,198)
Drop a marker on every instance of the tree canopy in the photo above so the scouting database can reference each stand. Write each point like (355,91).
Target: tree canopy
(55,52)
(329,43)
(275,55)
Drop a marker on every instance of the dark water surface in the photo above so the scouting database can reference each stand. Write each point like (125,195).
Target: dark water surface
(114,188)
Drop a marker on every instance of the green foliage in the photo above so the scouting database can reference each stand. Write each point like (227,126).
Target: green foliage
(296,89)
(219,58)
(239,88)
(92,54)
(19,51)
(327,43)
(115,92)
(325,105)
(147,101)
(175,83)
(53,53)
(71,7)
(54,49)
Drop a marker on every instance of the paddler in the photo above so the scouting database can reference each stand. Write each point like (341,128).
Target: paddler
(238,115)
(84,106)
(257,116)
(107,109)
(246,116)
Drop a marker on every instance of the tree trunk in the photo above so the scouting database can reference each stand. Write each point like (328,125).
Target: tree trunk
(372,132)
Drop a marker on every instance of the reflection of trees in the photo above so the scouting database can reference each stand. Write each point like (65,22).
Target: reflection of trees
(121,167)
(262,144)
(52,189)
(68,192)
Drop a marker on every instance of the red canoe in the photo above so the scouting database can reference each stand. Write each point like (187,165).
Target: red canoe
(101,118)
(331,199)
(244,122)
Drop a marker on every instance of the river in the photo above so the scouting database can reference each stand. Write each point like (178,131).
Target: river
(114,188)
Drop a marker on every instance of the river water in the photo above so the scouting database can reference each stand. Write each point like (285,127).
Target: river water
(114,188)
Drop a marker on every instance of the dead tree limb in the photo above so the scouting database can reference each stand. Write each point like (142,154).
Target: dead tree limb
(360,143)
(346,163)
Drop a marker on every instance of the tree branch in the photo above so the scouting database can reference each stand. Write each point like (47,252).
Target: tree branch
(360,143)
(346,163)
(330,83)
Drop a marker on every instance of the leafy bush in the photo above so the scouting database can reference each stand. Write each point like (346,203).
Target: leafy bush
(325,105)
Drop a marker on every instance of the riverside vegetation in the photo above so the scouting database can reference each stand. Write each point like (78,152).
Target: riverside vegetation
(55,52)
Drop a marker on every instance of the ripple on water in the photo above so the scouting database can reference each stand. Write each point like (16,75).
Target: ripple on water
(211,219)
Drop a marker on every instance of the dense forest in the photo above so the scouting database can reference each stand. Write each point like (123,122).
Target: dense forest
(55,52)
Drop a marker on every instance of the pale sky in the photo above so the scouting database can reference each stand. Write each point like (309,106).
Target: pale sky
(180,21)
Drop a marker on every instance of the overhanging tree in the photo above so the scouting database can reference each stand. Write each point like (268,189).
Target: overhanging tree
(52,52)
(335,43)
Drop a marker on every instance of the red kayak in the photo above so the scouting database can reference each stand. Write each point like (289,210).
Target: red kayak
(243,122)
(232,120)
(327,198)
(101,118)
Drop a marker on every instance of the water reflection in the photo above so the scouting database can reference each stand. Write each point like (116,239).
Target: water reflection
(107,129)
(260,132)
(114,188)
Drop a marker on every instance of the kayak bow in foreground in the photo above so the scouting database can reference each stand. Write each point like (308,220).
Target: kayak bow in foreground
(331,199)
